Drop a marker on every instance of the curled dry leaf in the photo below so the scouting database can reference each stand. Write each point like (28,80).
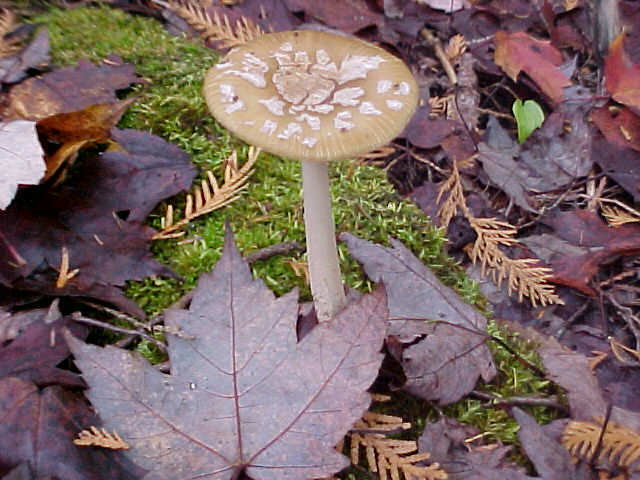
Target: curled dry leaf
(243,394)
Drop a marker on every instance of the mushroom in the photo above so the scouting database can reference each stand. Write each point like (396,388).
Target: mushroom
(315,97)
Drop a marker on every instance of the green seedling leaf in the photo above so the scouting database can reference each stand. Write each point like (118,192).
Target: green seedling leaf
(529,116)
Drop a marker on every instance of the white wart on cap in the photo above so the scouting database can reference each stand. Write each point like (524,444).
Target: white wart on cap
(311,95)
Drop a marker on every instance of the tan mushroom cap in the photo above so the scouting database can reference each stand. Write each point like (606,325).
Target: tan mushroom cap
(311,95)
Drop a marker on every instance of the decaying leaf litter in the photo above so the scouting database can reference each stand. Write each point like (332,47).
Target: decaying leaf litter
(563,196)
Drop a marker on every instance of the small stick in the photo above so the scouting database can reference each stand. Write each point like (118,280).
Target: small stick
(551,402)
(77,316)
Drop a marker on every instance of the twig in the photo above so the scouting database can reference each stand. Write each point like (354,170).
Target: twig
(276,249)
(550,402)
(77,316)
(437,47)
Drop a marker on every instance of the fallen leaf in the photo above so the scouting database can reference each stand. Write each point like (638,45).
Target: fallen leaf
(622,76)
(21,158)
(13,324)
(542,445)
(243,394)
(34,354)
(14,68)
(497,155)
(447,442)
(70,132)
(447,363)
(38,428)
(620,163)
(619,126)
(97,214)
(519,52)
(345,15)
(585,229)
(40,97)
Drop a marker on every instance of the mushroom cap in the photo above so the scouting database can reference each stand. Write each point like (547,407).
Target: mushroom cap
(311,95)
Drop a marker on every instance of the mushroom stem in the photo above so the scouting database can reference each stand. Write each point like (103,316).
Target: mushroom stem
(322,252)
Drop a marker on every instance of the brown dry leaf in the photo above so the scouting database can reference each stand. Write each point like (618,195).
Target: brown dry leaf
(596,243)
(622,76)
(619,125)
(451,355)
(21,158)
(49,94)
(519,52)
(74,131)
(243,396)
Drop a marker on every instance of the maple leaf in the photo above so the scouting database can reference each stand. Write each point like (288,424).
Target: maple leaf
(243,393)
(518,51)
(446,364)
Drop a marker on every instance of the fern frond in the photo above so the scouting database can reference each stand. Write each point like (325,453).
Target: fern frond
(99,437)
(620,446)
(390,458)
(215,28)
(210,196)
(617,216)
(523,275)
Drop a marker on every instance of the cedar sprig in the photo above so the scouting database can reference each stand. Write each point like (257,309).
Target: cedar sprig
(619,216)
(210,196)
(523,275)
(390,458)
(99,437)
(618,446)
(216,27)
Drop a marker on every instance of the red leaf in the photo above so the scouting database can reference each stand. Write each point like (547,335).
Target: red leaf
(243,394)
(516,52)
(619,125)
(585,229)
(622,76)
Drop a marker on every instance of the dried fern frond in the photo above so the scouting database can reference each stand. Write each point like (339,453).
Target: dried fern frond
(210,196)
(390,458)
(523,275)
(617,216)
(455,47)
(216,28)
(620,446)
(99,437)
(7,25)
